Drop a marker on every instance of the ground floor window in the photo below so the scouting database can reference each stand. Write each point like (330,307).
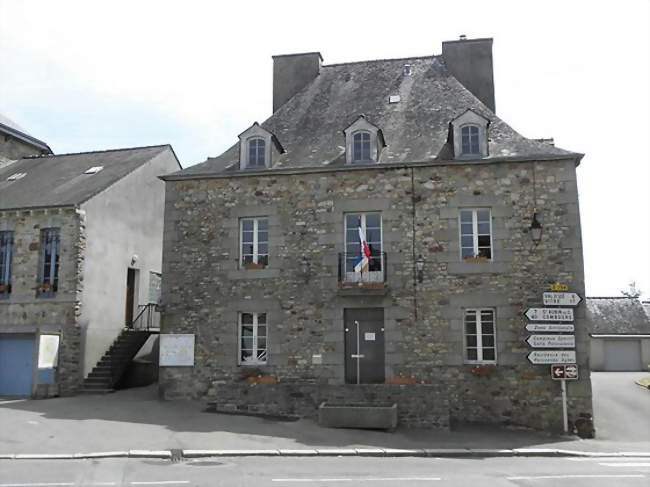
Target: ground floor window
(480,336)
(252,338)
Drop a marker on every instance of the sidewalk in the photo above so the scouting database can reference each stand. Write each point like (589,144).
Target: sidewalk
(135,419)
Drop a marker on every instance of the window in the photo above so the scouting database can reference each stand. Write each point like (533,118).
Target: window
(370,225)
(256,152)
(361,147)
(49,268)
(470,140)
(252,338)
(480,343)
(6,249)
(475,234)
(254,242)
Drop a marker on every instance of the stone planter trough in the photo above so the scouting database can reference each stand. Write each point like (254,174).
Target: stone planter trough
(363,416)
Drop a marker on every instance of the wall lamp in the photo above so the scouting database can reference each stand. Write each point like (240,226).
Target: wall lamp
(536,229)
(419,267)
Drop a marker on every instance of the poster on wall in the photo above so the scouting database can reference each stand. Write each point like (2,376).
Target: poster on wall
(155,280)
(176,350)
(48,351)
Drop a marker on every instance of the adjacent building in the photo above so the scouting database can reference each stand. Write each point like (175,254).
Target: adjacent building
(80,235)
(620,334)
(16,142)
(376,240)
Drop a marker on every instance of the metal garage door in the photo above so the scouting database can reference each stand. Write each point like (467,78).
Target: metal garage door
(621,355)
(16,365)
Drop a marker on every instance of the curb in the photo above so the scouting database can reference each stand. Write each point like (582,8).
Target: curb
(329,452)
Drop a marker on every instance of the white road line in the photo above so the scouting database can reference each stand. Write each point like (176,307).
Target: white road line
(38,484)
(629,464)
(360,479)
(577,476)
(160,482)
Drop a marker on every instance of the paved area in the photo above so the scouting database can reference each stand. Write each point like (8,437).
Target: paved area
(621,407)
(136,420)
(331,472)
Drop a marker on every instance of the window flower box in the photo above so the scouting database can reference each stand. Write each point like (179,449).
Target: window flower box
(483,370)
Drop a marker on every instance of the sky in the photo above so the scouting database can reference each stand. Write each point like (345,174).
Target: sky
(90,75)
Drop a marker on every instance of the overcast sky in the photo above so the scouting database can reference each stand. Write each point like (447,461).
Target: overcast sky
(85,75)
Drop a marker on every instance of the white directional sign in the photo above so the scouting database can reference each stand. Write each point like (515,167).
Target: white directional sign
(549,314)
(561,299)
(553,327)
(551,341)
(540,357)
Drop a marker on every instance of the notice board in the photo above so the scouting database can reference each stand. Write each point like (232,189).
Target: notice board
(176,350)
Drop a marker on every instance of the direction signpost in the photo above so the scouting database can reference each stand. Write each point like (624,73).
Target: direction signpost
(564,372)
(549,314)
(551,327)
(561,299)
(549,357)
(551,341)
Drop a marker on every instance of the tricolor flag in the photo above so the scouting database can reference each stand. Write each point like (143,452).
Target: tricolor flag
(364,259)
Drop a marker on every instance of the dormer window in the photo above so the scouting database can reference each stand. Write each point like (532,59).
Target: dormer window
(256,152)
(257,148)
(470,139)
(470,135)
(361,147)
(363,142)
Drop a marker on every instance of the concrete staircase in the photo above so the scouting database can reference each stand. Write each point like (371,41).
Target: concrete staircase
(109,370)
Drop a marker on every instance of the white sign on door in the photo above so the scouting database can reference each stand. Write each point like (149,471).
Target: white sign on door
(369,337)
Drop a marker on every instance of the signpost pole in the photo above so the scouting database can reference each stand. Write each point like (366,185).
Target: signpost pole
(565,418)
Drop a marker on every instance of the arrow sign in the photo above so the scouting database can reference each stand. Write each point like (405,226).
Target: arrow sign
(556,327)
(549,314)
(541,357)
(564,372)
(557,372)
(561,299)
(551,341)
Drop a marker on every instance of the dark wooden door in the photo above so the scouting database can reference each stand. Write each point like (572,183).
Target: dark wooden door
(130,296)
(364,346)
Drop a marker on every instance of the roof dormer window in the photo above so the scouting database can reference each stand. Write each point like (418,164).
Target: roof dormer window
(470,139)
(257,147)
(470,135)
(256,152)
(363,142)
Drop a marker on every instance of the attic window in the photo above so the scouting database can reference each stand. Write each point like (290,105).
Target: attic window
(361,147)
(470,135)
(256,152)
(363,142)
(93,170)
(470,139)
(17,176)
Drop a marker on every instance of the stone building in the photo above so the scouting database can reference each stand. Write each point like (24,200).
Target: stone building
(79,236)
(15,142)
(262,249)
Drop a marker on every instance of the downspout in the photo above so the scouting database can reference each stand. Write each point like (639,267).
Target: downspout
(415,280)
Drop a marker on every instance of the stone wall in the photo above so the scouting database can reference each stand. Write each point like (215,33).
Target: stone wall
(23,311)
(204,289)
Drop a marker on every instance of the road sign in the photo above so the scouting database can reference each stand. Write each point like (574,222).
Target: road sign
(559,287)
(561,299)
(543,357)
(564,372)
(551,341)
(556,327)
(549,314)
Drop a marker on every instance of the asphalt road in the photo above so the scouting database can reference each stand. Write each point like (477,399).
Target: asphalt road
(621,408)
(331,472)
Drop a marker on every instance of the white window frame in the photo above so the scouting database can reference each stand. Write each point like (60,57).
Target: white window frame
(6,260)
(371,276)
(249,163)
(256,361)
(256,242)
(475,233)
(478,139)
(479,336)
(361,133)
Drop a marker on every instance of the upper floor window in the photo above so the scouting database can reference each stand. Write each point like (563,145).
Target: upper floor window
(361,147)
(6,250)
(48,275)
(480,336)
(252,338)
(256,152)
(470,131)
(254,242)
(476,234)
(470,139)
(363,247)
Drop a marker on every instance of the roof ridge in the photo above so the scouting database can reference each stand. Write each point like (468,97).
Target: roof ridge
(429,56)
(96,151)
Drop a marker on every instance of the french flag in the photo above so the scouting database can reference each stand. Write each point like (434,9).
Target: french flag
(362,264)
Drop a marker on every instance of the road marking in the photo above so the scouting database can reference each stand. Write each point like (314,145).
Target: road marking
(630,464)
(160,482)
(38,484)
(358,479)
(577,476)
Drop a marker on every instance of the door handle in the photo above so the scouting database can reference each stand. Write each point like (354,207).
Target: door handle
(354,355)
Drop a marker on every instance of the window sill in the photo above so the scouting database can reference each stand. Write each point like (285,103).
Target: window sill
(265,273)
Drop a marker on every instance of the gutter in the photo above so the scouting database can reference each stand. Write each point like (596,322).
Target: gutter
(381,166)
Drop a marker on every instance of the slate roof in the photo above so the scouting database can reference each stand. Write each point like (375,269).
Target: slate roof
(416,129)
(617,315)
(59,180)
(10,127)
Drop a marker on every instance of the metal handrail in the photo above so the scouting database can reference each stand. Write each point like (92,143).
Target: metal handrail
(377,272)
(144,318)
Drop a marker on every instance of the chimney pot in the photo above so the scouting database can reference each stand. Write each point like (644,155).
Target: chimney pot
(291,73)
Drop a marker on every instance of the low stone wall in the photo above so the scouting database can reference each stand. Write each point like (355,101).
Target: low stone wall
(419,405)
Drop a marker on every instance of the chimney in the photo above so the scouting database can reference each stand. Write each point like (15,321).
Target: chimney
(470,62)
(291,73)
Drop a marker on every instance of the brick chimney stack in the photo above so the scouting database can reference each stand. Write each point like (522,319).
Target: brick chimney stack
(291,73)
